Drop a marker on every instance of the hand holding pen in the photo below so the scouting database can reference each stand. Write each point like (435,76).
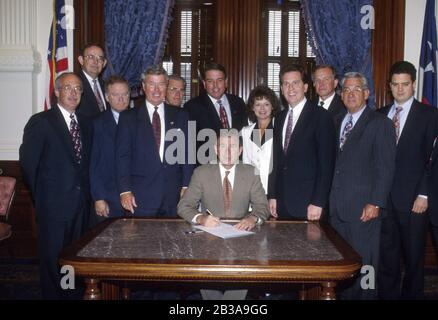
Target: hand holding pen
(208,220)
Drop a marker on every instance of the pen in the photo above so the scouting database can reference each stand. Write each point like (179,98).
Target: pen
(194,231)
(209,212)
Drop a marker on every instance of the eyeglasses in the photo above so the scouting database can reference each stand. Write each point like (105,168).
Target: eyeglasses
(68,88)
(99,59)
(355,90)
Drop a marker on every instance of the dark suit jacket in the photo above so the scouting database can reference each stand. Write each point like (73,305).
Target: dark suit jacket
(156,185)
(303,175)
(336,107)
(58,184)
(202,110)
(413,151)
(88,106)
(364,169)
(433,186)
(103,167)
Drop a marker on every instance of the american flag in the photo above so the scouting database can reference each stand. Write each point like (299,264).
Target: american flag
(57,55)
(428,85)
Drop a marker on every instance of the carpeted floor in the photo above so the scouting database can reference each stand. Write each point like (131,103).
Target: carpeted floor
(19,280)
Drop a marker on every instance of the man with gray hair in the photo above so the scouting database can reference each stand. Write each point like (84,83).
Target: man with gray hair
(54,158)
(362,179)
(149,178)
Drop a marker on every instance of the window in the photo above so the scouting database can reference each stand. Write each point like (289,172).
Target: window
(285,42)
(189,44)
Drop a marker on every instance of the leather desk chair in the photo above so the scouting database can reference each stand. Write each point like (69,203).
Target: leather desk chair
(7,193)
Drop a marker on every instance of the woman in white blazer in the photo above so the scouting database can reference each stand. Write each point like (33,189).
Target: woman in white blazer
(257,138)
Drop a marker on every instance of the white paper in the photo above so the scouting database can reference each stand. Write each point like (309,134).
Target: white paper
(224,231)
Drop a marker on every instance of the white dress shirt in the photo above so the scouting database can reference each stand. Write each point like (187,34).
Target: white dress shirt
(151,108)
(90,81)
(327,102)
(231,176)
(356,117)
(116,115)
(66,115)
(403,115)
(296,116)
(226,105)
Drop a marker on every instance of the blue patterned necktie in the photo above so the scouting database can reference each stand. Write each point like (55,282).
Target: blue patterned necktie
(76,137)
(346,132)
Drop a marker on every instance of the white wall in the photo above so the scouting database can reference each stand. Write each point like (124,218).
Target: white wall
(24,36)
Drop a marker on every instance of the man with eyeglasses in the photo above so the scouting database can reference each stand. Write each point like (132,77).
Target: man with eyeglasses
(103,182)
(303,152)
(405,226)
(92,62)
(362,178)
(151,152)
(325,83)
(54,158)
(176,89)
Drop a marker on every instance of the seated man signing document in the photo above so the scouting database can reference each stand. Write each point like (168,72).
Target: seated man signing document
(225,189)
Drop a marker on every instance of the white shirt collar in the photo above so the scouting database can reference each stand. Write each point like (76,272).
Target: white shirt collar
(327,102)
(116,115)
(66,115)
(230,175)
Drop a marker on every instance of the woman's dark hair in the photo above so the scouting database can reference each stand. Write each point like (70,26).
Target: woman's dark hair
(259,93)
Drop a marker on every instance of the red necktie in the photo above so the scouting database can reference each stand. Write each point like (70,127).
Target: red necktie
(227,195)
(223,115)
(156,126)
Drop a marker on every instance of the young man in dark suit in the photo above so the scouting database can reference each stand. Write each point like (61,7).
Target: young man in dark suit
(363,177)
(150,180)
(215,109)
(303,152)
(404,229)
(92,62)
(103,182)
(54,158)
(325,83)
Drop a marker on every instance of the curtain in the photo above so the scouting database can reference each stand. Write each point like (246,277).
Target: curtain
(340,36)
(136,34)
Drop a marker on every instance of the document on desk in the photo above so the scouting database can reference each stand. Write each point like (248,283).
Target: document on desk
(225,231)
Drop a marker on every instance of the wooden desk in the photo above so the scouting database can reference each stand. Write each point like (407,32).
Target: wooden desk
(160,250)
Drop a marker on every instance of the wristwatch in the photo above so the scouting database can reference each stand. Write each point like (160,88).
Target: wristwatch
(259,220)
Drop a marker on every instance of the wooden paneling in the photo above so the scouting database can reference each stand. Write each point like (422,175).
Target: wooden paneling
(89,26)
(237,42)
(388,44)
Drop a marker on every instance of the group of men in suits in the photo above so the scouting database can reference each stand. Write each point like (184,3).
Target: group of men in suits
(370,172)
